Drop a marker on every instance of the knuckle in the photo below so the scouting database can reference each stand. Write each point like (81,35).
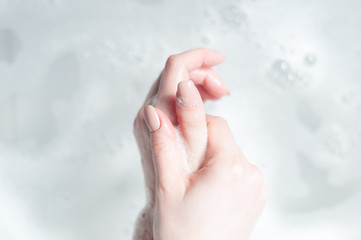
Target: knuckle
(237,169)
(161,149)
(160,146)
(231,167)
(193,121)
(191,127)
(216,121)
(264,193)
(167,192)
(164,190)
(255,176)
(220,120)
(172,61)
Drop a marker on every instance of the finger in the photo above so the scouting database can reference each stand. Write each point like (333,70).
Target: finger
(220,138)
(177,69)
(192,122)
(210,82)
(166,156)
(204,94)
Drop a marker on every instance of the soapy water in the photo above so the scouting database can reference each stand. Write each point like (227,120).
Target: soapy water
(233,15)
(10,45)
(310,59)
(71,84)
(283,75)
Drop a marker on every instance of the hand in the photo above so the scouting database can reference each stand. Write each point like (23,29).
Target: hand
(196,66)
(222,200)
(213,194)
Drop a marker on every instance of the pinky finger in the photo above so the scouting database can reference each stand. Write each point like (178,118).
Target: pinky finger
(210,82)
(205,94)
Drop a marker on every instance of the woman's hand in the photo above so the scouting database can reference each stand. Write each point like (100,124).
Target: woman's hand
(179,112)
(222,200)
(192,65)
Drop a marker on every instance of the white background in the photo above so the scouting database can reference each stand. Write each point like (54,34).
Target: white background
(74,73)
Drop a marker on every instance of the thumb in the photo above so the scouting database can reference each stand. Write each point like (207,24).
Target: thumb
(166,155)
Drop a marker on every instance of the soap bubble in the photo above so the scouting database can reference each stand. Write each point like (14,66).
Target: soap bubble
(284,66)
(310,59)
(337,141)
(284,76)
(233,15)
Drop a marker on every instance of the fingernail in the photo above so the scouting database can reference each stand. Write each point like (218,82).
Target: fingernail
(227,91)
(151,118)
(188,95)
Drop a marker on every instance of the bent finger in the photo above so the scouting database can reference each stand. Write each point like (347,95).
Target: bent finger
(177,69)
(192,122)
(166,156)
(220,137)
(210,82)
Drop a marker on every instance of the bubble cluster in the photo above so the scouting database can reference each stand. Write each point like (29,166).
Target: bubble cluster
(337,141)
(352,99)
(205,40)
(233,15)
(117,54)
(283,75)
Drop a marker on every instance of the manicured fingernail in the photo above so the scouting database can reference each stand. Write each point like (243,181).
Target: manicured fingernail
(188,95)
(151,118)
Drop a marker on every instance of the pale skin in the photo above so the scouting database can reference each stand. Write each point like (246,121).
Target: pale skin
(220,195)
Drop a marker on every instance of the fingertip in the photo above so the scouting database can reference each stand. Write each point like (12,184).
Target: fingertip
(221,56)
(228,93)
(151,118)
(155,119)
(215,87)
(187,95)
(165,124)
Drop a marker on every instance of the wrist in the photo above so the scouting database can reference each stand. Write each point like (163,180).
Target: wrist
(144,225)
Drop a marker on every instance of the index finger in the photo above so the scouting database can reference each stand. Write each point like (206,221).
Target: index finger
(177,69)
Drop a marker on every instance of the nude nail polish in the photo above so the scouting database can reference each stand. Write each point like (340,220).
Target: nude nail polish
(227,91)
(188,95)
(151,118)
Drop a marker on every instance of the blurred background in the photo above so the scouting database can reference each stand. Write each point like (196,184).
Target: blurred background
(73,75)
